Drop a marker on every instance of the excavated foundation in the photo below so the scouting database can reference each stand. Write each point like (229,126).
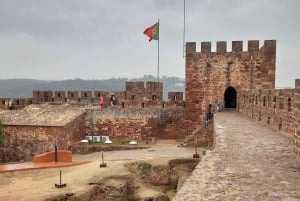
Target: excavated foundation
(147,181)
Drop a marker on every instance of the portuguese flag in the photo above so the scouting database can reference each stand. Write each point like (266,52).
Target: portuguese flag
(152,32)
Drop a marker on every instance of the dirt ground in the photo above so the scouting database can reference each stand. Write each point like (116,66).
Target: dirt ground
(39,184)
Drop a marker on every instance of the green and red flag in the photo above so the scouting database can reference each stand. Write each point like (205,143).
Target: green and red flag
(152,32)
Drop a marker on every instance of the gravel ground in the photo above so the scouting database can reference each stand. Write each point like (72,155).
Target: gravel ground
(38,184)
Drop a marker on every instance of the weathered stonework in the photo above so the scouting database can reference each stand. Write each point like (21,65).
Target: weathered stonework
(210,74)
(36,129)
(136,94)
(278,108)
(136,124)
(139,113)
(244,80)
(220,75)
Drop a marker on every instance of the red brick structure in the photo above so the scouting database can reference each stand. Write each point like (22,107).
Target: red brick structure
(59,96)
(62,156)
(135,95)
(73,97)
(35,129)
(244,80)
(139,113)
(221,74)
(42,96)
(136,123)
(278,108)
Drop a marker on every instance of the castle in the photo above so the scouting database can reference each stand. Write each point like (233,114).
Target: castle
(33,125)
(221,75)
(243,80)
(240,80)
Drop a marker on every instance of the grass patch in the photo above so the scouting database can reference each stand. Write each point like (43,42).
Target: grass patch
(115,143)
(181,139)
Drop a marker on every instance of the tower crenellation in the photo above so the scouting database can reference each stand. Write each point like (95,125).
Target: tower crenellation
(221,47)
(253,45)
(236,46)
(205,47)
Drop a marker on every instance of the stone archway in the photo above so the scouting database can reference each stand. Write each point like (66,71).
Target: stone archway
(230,97)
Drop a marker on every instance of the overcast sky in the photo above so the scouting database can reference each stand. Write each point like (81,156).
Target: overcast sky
(99,39)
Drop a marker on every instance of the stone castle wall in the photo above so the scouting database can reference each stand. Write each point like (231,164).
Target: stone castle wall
(209,74)
(139,113)
(137,94)
(278,108)
(220,75)
(136,123)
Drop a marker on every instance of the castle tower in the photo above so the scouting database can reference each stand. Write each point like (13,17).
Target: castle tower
(221,74)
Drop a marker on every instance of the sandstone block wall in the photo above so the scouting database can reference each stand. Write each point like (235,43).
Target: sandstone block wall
(42,96)
(59,96)
(209,74)
(278,108)
(136,124)
(23,142)
(136,95)
(175,96)
(135,90)
(14,103)
(4,103)
(296,136)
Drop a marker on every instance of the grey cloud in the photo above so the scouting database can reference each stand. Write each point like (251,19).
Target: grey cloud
(98,39)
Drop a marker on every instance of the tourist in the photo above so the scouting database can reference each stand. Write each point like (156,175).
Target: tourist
(112,100)
(218,105)
(101,102)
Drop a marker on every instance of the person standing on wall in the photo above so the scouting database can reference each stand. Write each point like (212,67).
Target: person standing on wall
(101,102)
(218,105)
(112,100)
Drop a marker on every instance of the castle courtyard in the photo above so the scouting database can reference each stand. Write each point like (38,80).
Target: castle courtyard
(250,161)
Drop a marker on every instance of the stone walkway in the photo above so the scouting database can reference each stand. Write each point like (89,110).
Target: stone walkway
(250,162)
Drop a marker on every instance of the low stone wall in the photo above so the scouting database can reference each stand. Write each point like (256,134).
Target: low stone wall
(62,156)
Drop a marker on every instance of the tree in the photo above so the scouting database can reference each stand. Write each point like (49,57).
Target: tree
(2,134)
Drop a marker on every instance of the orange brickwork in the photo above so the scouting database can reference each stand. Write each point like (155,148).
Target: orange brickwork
(62,156)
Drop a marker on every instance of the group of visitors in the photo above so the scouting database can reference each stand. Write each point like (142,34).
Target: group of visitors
(112,101)
(218,105)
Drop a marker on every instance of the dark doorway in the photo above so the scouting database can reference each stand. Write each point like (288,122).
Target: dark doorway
(230,98)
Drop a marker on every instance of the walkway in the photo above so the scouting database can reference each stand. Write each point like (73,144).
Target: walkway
(249,162)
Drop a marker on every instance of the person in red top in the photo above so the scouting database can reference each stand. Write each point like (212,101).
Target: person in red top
(101,101)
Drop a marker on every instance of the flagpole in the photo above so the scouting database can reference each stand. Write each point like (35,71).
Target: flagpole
(158,53)
(183,28)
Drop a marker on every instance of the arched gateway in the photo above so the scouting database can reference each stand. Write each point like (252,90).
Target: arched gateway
(230,97)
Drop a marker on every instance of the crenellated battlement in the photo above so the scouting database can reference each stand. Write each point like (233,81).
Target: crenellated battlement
(137,94)
(236,46)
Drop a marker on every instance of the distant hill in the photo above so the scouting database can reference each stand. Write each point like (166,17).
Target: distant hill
(22,88)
